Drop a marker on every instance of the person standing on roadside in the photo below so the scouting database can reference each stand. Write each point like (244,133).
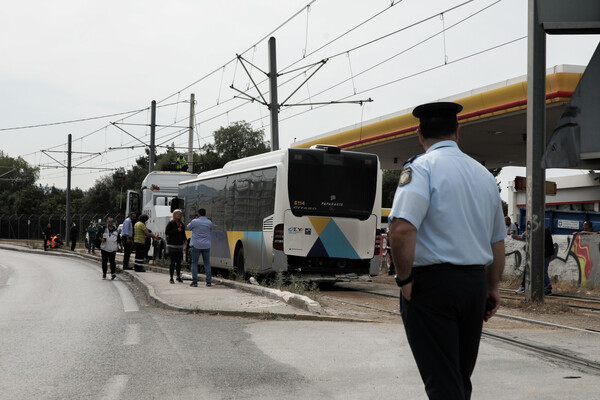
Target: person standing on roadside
(446,275)
(176,239)
(73,235)
(201,228)
(140,232)
(47,233)
(127,239)
(92,231)
(111,240)
(511,228)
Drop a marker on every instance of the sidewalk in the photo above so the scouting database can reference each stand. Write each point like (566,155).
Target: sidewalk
(225,297)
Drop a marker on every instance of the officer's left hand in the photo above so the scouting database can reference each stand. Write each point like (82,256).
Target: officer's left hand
(406,291)
(495,297)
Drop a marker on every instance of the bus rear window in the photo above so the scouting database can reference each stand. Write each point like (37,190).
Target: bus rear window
(337,185)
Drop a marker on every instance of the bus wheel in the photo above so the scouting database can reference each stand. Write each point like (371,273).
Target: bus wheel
(239,262)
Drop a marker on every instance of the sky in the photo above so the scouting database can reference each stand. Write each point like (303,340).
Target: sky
(102,63)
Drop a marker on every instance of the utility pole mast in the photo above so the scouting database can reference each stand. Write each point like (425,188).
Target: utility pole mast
(274,105)
(68,216)
(191,133)
(152,136)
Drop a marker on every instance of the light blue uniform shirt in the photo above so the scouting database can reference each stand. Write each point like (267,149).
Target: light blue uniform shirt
(201,228)
(127,228)
(454,203)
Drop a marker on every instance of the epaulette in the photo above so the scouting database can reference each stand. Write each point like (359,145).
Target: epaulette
(406,172)
(410,160)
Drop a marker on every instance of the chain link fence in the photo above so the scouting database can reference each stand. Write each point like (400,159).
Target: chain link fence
(30,227)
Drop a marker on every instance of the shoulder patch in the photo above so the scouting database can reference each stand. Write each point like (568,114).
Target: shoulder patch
(405,176)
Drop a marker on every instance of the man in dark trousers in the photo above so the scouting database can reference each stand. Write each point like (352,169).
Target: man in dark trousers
(127,239)
(47,235)
(448,231)
(73,235)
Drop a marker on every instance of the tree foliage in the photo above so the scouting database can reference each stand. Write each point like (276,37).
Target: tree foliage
(17,183)
(20,195)
(389,184)
(236,141)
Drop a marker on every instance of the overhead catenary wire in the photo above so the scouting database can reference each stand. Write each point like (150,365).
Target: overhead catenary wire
(226,113)
(203,77)
(251,47)
(390,58)
(14,128)
(424,71)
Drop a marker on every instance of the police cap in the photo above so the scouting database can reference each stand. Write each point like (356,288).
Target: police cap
(442,110)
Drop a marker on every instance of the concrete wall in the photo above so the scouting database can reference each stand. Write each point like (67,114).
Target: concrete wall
(576,259)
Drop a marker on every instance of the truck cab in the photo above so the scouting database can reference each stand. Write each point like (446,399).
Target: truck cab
(158,190)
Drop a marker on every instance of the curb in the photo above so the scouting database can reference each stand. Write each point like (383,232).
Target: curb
(296,300)
(293,299)
(157,301)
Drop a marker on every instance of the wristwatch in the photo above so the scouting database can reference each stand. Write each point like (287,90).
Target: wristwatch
(403,282)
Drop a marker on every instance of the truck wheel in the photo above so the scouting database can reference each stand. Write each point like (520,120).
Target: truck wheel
(239,263)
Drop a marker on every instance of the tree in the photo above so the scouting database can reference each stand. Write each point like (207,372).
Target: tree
(17,178)
(389,185)
(236,141)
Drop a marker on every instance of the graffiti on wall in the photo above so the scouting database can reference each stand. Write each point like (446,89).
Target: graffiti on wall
(576,258)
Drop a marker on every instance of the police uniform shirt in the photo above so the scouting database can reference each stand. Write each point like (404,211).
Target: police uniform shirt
(454,203)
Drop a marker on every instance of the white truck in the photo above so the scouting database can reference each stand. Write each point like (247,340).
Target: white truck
(158,189)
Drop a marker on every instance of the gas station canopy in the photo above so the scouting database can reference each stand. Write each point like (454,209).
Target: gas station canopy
(492,123)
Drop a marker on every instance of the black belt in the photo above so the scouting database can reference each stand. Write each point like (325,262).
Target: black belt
(447,267)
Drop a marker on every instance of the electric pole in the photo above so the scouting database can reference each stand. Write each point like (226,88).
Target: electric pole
(274,105)
(191,133)
(151,160)
(68,216)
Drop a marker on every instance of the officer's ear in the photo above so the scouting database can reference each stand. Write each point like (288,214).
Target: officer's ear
(421,138)
(457,130)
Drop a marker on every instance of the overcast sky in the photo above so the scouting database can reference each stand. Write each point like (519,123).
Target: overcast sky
(66,60)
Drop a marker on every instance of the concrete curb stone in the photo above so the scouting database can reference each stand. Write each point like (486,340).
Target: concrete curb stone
(293,299)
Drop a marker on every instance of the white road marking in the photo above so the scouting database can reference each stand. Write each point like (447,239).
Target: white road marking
(115,387)
(132,334)
(129,303)
(9,280)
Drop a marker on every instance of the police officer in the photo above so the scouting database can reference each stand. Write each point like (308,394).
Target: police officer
(447,230)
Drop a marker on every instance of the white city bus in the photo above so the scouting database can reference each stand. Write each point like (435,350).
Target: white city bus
(311,211)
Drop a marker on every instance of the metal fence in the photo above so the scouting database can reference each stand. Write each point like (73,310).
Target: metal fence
(31,226)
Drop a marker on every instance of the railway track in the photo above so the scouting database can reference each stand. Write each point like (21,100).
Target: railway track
(575,302)
(553,354)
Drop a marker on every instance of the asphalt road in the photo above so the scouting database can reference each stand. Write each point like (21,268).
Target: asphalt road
(67,334)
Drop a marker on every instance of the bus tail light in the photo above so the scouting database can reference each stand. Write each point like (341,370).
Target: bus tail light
(278,237)
(377,242)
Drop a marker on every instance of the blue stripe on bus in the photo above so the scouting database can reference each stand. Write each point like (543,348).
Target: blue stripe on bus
(335,243)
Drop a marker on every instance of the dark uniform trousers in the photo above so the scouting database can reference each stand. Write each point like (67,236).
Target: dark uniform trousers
(443,323)
(127,249)
(140,254)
